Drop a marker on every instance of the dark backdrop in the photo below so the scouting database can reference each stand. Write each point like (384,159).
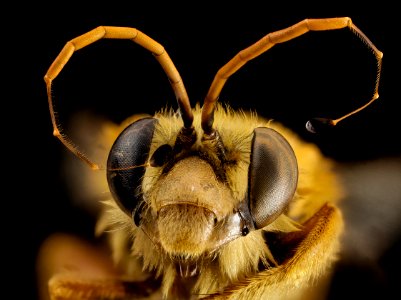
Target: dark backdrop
(318,74)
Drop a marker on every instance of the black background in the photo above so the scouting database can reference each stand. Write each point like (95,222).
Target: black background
(318,74)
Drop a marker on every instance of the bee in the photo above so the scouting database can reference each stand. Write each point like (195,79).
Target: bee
(206,202)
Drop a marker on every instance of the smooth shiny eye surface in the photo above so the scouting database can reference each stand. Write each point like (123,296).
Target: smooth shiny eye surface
(273,176)
(125,164)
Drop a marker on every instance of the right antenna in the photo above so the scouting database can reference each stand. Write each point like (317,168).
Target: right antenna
(269,41)
(314,125)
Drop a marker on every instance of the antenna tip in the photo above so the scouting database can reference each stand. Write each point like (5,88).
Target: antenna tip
(317,125)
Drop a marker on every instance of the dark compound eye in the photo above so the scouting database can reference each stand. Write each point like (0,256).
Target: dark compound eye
(273,176)
(125,165)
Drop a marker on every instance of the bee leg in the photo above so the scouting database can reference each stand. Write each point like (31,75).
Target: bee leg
(304,256)
(69,268)
(72,287)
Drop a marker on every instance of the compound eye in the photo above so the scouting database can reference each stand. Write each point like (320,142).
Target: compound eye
(273,176)
(125,164)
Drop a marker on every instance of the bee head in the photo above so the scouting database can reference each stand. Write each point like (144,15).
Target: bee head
(193,175)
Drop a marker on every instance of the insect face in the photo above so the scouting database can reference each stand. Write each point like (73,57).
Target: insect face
(197,179)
